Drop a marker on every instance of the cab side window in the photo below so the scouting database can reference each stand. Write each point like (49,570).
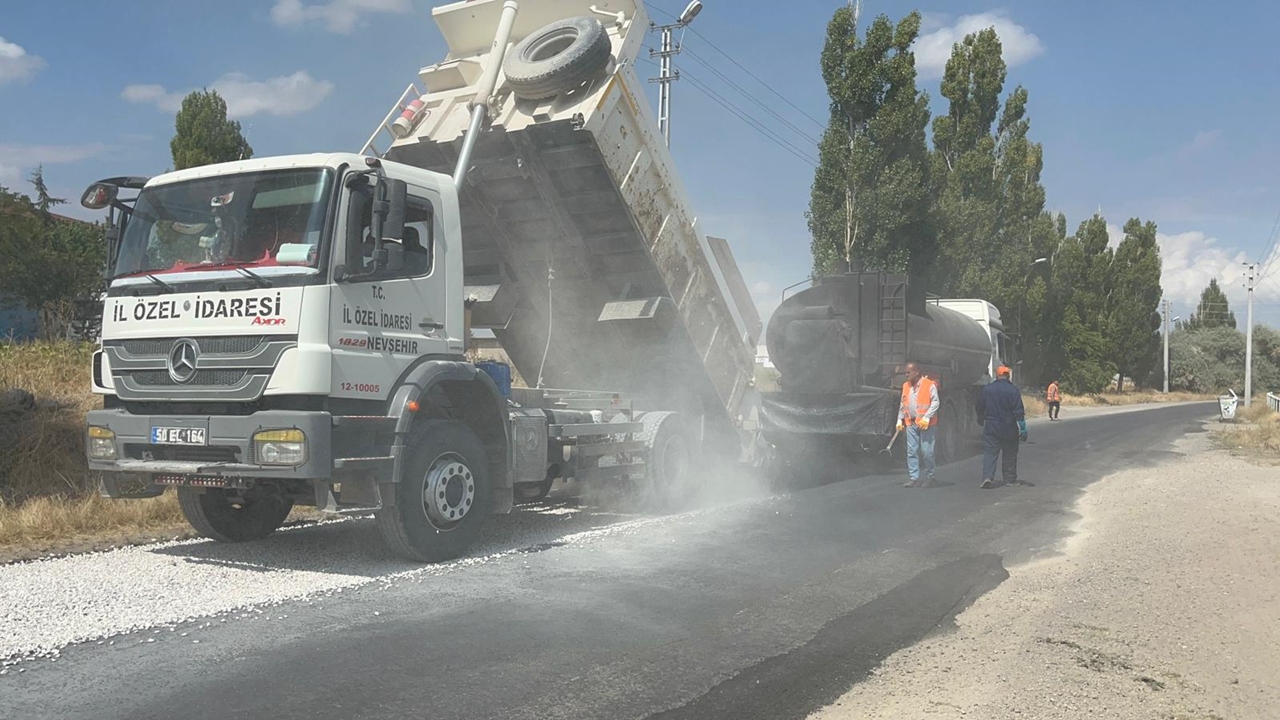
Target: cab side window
(412,256)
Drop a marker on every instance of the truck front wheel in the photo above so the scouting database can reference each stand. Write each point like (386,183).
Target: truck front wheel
(443,497)
(233,516)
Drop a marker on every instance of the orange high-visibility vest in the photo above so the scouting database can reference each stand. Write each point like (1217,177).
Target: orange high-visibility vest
(1052,393)
(923,398)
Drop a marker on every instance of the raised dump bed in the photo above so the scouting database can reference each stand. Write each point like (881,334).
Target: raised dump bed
(582,252)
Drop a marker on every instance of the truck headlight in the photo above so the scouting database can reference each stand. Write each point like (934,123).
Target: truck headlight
(280,447)
(102,443)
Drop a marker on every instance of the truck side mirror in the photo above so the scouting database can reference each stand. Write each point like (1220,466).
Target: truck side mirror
(397,204)
(395,257)
(99,196)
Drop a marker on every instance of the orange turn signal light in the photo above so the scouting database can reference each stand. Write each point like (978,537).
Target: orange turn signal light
(412,406)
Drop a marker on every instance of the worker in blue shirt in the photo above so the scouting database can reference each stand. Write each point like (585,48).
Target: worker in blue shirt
(1004,426)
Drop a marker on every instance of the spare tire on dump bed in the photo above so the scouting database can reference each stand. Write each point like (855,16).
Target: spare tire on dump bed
(557,58)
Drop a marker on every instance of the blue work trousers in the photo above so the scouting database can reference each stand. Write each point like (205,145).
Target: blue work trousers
(920,447)
(996,447)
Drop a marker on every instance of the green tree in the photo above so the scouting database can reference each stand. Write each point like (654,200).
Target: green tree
(1081,284)
(46,263)
(44,201)
(204,135)
(870,194)
(1211,359)
(989,200)
(1134,301)
(1213,310)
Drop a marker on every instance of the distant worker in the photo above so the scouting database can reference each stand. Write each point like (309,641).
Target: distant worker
(1004,426)
(917,416)
(1054,398)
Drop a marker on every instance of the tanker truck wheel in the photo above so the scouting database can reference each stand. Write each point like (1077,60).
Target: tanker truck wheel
(443,498)
(233,516)
(668,462)
(557,58)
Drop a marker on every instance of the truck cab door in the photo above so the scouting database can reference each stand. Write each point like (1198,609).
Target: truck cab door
(385,322)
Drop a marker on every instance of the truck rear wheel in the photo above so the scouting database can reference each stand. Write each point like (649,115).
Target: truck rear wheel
(220,515)
(557,58)
(443,498)
(668,463)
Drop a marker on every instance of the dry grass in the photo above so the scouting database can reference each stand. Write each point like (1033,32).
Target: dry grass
(1260,433)
(1141,397)
(53,522)
(42,451)
(48,497)
(1034,406)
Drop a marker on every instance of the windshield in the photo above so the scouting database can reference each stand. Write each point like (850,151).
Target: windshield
(264,219)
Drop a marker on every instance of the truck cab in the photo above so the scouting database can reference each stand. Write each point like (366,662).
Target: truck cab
(273,332)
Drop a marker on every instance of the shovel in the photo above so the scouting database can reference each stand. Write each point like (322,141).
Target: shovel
(892,440)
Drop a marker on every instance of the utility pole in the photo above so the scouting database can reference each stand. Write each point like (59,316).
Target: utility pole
(666,75)
(1252,278)
(1165,306)
(665,78)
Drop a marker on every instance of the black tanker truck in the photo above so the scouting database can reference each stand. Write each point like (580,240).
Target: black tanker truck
(841,347)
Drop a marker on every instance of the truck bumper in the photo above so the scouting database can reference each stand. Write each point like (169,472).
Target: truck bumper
(227,453)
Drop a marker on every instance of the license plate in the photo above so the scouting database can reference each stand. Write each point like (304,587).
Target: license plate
(177,436)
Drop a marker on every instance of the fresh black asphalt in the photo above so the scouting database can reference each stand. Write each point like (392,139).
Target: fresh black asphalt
(764,609)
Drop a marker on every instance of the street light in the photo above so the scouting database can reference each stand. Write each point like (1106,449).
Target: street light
(690,12)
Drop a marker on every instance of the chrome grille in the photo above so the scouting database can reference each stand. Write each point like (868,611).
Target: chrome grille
(155,378)
(231,345)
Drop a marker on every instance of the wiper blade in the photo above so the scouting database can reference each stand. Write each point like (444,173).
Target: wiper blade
(160,283)
(257,279)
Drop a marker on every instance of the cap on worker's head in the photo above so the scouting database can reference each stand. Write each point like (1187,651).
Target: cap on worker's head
(1003,371)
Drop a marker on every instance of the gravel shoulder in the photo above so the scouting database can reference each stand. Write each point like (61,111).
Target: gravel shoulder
(1163,603)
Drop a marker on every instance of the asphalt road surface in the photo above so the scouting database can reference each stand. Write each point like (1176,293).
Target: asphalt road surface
(767,607)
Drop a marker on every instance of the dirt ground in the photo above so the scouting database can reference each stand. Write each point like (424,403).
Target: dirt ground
(1163,604)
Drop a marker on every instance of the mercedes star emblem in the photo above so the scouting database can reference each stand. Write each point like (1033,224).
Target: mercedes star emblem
(182,360)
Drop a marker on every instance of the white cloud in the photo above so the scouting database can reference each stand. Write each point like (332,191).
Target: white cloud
(16,63)
(279,96)
(933,48)
(338,16)
(1202,141)
(17,160)
(764,287)
(1190,260)
(1114,235)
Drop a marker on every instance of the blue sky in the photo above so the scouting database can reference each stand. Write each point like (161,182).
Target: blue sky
(1164,115)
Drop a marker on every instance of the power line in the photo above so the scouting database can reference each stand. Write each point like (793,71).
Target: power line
(747,118)
(753,76)
(1271,246)
(751,97)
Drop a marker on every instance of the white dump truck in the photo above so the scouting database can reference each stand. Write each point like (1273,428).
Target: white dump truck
(292,330)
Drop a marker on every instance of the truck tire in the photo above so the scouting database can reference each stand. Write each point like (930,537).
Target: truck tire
(218,516)
(668,461)
(443,498)
(557,58)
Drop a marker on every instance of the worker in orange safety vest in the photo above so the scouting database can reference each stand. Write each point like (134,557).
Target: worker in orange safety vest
(1054,399)
(918,417)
